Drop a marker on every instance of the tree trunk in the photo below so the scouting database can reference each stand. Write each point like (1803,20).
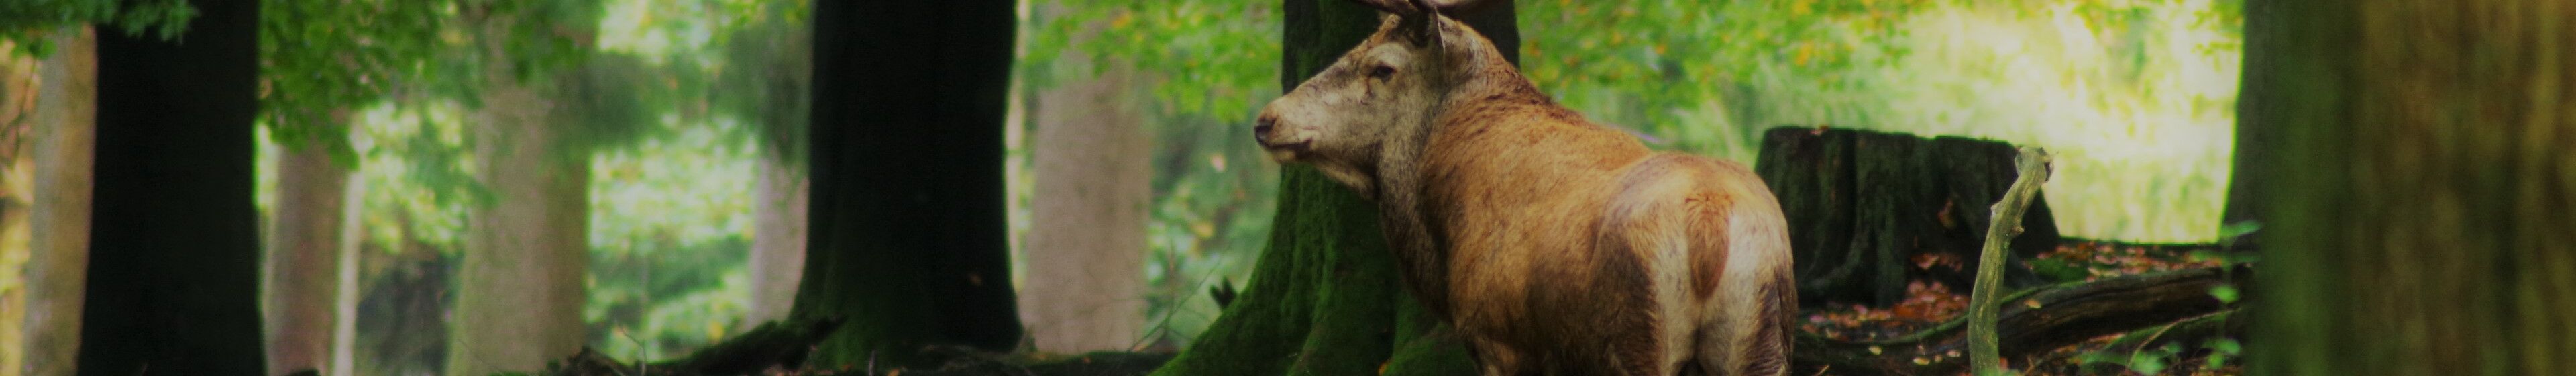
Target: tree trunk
(303,257)
(2423,188)
(173,282)
(777,239)
(344,301)
(1087,232)
(780,102)
(59,220)
(520,288)
(908,237)
(1324,297)
(2255,119)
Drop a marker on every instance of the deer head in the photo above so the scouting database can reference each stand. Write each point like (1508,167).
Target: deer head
(1371,107)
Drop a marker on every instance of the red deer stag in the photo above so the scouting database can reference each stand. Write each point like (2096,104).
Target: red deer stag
(1553,245)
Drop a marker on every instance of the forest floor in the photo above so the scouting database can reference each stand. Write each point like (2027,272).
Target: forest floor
(1927,304)
(1930,303)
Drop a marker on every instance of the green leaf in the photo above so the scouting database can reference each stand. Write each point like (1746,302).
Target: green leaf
(2240,228)
(2059,270)
(2226,346)
(2224,293)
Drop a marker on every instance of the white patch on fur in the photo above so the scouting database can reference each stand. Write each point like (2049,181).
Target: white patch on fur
(1667,233)
(1758,247)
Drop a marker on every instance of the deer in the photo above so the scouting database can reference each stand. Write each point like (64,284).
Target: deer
(1548,243)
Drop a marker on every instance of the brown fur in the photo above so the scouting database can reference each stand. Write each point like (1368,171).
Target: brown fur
(1553,244)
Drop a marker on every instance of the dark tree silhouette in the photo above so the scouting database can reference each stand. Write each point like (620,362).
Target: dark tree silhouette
(174,246)
(908,243)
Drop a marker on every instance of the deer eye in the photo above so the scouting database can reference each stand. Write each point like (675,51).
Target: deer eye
(1381,72)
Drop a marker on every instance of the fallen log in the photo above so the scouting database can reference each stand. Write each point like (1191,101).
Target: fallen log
(2034,320)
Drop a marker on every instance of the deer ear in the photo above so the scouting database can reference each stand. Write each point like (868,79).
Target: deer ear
(1426,6)
(1427,33)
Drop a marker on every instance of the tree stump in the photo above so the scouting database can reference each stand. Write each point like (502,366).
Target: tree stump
(1869,211)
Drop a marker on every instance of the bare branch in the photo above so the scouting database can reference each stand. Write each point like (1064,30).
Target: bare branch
(1982,309)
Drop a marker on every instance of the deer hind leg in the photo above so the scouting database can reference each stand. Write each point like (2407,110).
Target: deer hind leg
(1749,331)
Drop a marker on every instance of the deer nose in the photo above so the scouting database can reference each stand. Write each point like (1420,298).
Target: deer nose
(1261,127)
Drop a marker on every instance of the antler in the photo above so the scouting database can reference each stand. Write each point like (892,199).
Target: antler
(1455,8)
(1413,7)
(1400,7)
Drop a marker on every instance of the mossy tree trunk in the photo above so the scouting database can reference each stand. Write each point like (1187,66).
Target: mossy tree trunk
(2423,188)
(1325,298)
(2255,109)
(908,242)
(173,282)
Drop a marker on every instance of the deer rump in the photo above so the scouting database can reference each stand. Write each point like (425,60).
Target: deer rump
(1553,245)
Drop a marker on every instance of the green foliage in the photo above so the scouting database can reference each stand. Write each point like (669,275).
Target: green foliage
(745,60)
(2223,349)
(1646,63)
(2225,293)
(2143,361)
(531,38)
(320,58)
(2137,95)
(609,100)
(1217,58)
(412,159)
(25,23)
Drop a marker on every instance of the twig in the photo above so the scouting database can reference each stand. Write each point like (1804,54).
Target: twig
(1983,310)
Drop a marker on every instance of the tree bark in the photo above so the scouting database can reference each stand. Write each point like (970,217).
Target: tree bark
(2423,189)
(520,288)
(303,260)
(58,236)
(2255,118)
(1093,162)
(1325,297)
(173,282)
(778,238)
(908,241)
